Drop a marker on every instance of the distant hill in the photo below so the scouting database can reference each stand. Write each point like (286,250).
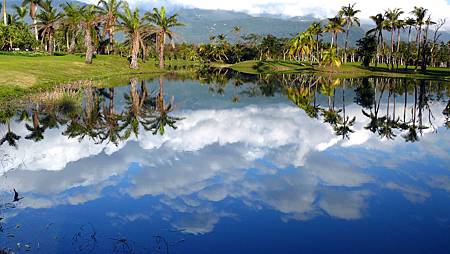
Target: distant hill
(202,24)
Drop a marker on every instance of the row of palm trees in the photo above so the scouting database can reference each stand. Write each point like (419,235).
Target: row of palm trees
(369,95)
(303,45)
(97,118)
(392,22)
(307,42)
(94,22)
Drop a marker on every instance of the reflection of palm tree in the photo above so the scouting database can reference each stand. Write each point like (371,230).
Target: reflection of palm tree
(411,135)
(36,131)
(342,127)
(88,123)
(10,136)
(156,121)
(305,99)
(138,104)
(109,128)
(446,113)
(330,115)
(375,121)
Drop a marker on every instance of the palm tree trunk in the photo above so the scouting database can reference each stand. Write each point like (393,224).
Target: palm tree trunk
(418,42)
(72,44)
(5,21)
(50,43)
(36,33)
(346,43)
(392,49)
(111,41)
(161,49)
(135,52)
(88,45)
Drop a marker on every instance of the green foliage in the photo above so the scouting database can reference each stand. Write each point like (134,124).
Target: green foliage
(16,36)
(367,48)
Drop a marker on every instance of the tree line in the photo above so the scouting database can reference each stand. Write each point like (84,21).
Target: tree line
(88,28)
(92,28)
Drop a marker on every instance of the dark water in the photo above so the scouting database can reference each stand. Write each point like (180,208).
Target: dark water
(286,164)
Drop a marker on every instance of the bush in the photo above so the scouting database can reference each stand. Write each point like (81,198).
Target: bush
(16,36)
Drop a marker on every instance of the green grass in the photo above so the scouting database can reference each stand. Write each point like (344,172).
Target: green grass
(350,70)
(22,75)
(256,67)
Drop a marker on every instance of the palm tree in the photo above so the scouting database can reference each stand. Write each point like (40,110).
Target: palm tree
(164,25)
(334,27)
(33,6)
(136,31)
(109,9)
(21,12)
(48,22)
(89,19)
(392,19)
(349,15)
(72,23)
(410,23)
(419,13)
(378,30)
(316,30)
(5,20)
(302,45)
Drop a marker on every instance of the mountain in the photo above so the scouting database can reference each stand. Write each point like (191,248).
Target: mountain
(202,24)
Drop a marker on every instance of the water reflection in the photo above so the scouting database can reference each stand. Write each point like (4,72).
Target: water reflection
(91,113)
(124,170)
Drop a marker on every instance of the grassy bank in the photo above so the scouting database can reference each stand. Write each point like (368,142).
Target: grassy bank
(350,70)
(21,75)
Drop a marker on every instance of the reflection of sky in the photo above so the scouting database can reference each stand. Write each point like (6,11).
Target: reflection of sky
(222,161)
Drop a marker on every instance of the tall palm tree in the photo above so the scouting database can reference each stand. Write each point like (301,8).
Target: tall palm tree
(136,31)
(334,27)
(72,24)
(33,7)
(410,23)
(5,20)
(48,21)
(109,9)
(316,30)
(164,25)
(348,14)
(89,19)
(378,30)
(392,19)
(419,13)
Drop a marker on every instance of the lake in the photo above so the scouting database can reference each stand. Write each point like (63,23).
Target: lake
(228,163)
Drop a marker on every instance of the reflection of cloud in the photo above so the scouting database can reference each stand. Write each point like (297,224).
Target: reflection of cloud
(412,194)
(439,182)
(343,204)
(268,157)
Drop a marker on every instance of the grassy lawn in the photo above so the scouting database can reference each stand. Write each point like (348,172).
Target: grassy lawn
(350,70)
(256,67)
(21,75)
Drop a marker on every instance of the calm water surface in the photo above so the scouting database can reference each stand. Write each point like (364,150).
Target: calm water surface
(264,164)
